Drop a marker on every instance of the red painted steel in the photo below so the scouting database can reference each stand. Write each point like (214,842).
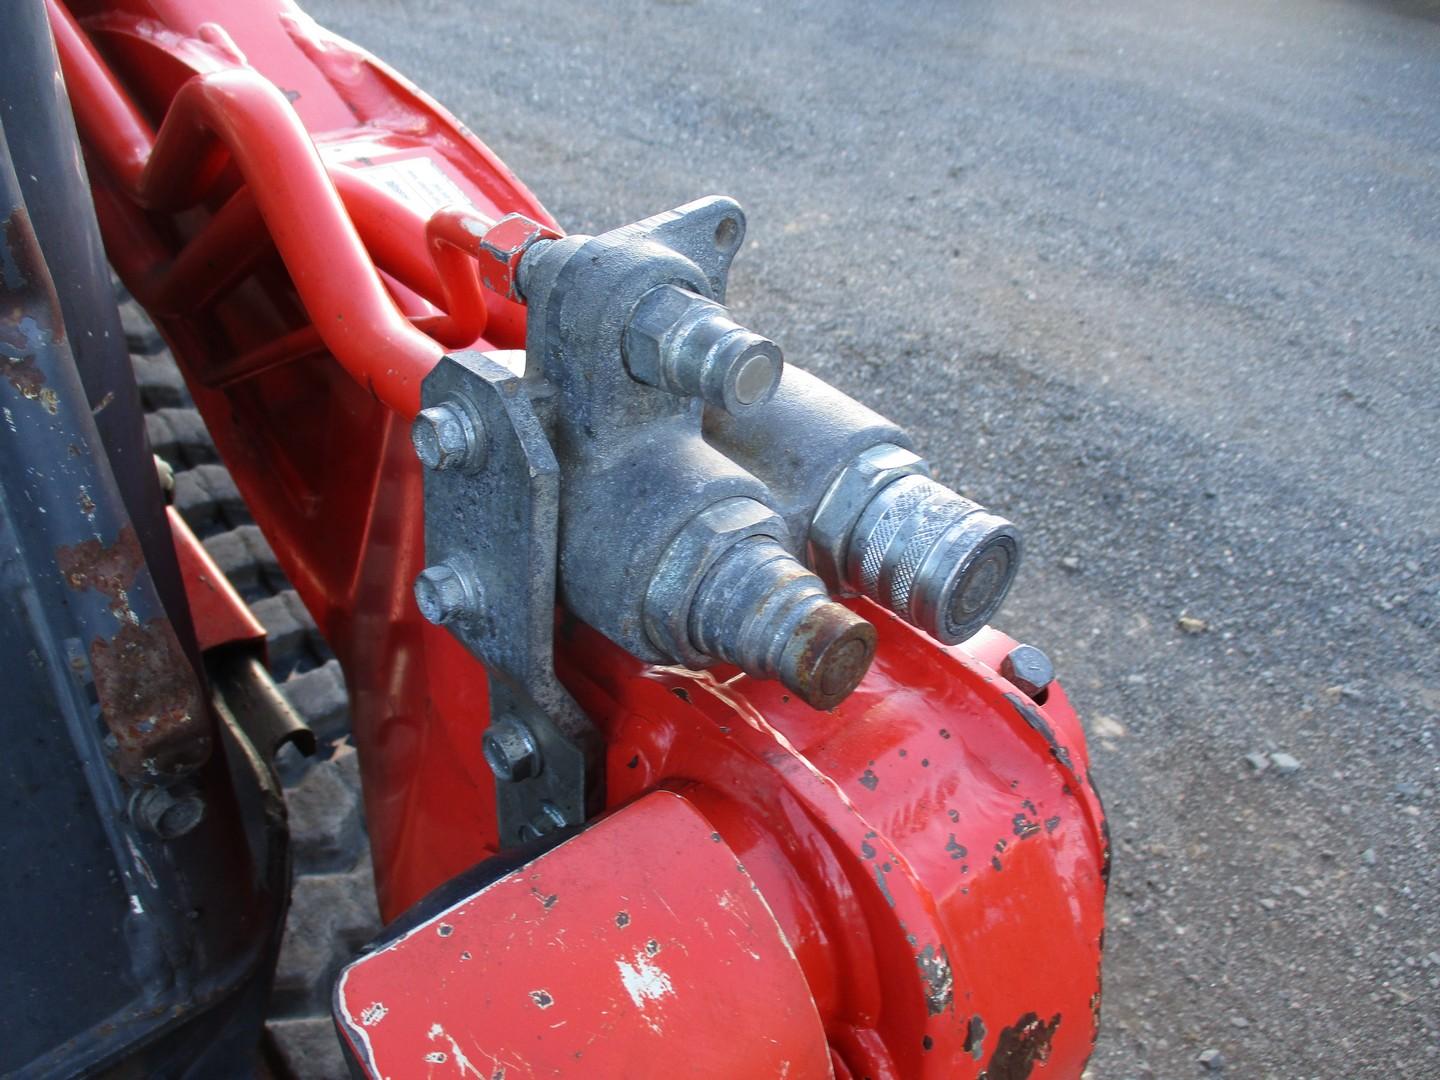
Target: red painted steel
(221,618)
(933,850)
(630,942)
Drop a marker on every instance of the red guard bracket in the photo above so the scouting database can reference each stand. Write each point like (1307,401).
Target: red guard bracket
(613,954)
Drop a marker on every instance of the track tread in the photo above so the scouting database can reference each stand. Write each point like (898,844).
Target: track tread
(333,910)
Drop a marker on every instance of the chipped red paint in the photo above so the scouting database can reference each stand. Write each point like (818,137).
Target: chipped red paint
(894,839)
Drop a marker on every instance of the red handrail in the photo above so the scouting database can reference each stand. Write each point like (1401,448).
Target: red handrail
(240,116)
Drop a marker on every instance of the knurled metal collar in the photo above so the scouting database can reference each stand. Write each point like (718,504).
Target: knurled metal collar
(840,508)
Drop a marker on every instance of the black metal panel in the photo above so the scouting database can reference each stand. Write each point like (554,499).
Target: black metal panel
(121,949)
(51,174)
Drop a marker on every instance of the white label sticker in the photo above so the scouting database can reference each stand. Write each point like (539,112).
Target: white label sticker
(418,182)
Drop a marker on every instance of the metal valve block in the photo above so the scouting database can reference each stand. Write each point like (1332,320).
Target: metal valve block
(656,469)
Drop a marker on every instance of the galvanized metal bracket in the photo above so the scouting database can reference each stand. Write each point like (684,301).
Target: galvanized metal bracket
(498,522)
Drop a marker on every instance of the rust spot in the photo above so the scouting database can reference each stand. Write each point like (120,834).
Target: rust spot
(150,701)
(622,919)
(148,692)
(1051,823)
(542,998)
(680,692)
(445,929)
(1021,1047)
(869,779)
(652,947)
(29,380)
(956,849)
(836,648)
(85,502)
(110,571)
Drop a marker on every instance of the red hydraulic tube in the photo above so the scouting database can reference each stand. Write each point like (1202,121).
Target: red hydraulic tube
(241,113)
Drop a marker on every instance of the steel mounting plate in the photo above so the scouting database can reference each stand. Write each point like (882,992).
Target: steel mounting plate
(501,521)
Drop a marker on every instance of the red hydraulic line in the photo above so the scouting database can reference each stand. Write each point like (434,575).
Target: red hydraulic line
(239,113)
(447,277)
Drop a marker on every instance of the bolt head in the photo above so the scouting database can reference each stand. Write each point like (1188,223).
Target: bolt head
(1029,669)
(510,750)
(444,593)
(447,437)
(166,814)
(647,333)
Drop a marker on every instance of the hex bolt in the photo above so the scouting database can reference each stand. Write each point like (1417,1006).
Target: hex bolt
(447,436)
(445,592)
(1030,670)
(511,751)
(761,610)
(679,341)
(936,559)
(164,813)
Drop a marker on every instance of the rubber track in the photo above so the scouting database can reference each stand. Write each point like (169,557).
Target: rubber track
(332,907)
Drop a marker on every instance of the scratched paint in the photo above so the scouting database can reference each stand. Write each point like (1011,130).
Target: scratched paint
(645,982)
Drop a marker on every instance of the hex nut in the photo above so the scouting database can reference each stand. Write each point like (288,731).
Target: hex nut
(681,342)
(845,501)
(511,751)
(655,315)
(446,592)
(1030,670)
(503,247)
(691,554)
(448,436)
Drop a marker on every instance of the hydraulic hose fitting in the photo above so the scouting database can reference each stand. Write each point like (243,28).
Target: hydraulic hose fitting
(933,557)
(761,610)
(728,589)
(688,345)
(887,531)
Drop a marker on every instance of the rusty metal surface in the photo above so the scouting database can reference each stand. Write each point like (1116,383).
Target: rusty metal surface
(148,690)
(149,694)
(125,941)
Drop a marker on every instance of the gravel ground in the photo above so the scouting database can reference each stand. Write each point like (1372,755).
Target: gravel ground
(1158,281)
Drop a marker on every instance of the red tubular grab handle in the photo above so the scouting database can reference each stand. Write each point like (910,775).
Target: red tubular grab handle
(241,116)
(452,237)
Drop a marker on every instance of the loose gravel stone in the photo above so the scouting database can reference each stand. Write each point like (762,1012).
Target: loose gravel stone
(1285,764)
